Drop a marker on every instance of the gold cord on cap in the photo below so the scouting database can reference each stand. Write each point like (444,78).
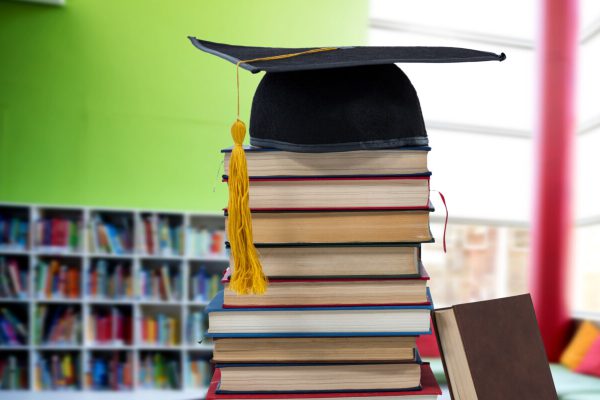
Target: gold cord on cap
(248,276)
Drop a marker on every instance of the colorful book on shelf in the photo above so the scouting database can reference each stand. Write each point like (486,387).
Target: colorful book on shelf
(13,279)
(162,235)
(57,371)
(322,377)
(340,260)
(109,326)
(110,282)
(57,324)
(54,280)
(13,372)
(110,372)
(159,329)
(333,292)
(204,286)
(372,226)
(265,162)
(202,242)
(156,371)
(13,332)
(493,350)
(339,193)
(403,320)
(314,349)
(429,390)
(164,283)
(58,232)
(14,232)
(197,373)
(111,237)
(195,328)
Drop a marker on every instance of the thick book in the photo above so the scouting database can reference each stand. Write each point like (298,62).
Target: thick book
(339,193)
(493,350)
(263,162)
(314,349)
(338,377)
(340,260)
(405,320)
(333,292)
(429,390)
(373,226)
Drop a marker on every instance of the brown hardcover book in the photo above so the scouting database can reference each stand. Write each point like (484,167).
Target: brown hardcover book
(376,226)
(314,349)
(493,350)
(275,163)
(326,193)
(333,292)
(268,378)
(340,260)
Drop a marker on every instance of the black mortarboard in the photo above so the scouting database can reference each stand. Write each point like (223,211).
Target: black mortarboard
(321,100)
(348,98)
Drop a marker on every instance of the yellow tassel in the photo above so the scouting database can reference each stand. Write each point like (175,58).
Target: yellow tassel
(248,276)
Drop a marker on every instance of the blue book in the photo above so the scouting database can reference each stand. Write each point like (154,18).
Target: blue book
(402,320)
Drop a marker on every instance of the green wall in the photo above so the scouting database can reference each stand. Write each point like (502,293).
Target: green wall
(105,102)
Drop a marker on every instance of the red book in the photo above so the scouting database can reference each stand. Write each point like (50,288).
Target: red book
(103,329)
(73,283)
(54,232)
(64,233)
(429,391)
(149,236)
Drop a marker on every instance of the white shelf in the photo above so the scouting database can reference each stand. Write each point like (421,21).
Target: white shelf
(13,300)
(141,394)
(84,258)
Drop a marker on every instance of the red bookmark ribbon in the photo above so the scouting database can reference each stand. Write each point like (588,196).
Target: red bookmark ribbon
(446,219)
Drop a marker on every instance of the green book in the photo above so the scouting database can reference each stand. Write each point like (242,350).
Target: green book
(73,235)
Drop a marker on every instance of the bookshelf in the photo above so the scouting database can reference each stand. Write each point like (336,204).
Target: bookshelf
(90,290)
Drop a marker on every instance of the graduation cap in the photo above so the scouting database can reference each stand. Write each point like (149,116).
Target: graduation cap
(324,99)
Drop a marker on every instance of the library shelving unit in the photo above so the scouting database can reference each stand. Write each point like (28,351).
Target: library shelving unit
(101,303)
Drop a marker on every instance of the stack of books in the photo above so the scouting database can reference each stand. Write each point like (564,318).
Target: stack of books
(339,237)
